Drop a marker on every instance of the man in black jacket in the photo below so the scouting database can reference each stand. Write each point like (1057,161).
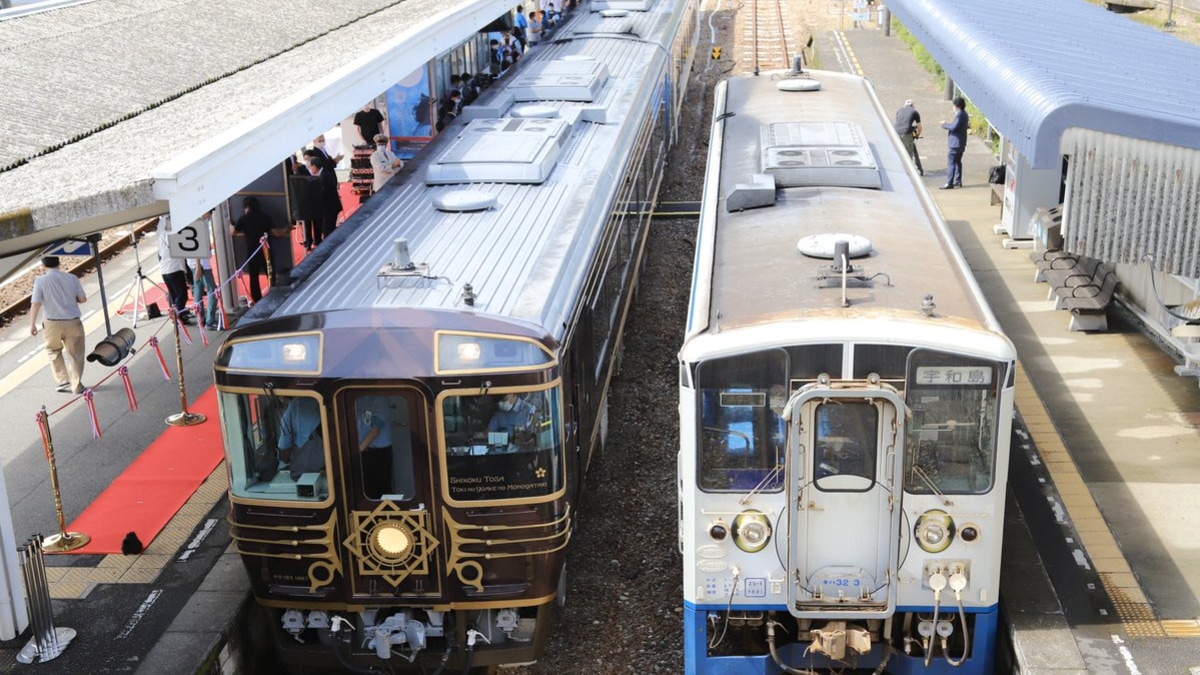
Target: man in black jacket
(331,201)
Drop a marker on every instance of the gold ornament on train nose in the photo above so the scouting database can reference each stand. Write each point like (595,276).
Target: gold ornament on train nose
(391,539)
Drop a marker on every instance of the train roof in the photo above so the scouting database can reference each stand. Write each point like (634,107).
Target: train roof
(537,151)
(793,165)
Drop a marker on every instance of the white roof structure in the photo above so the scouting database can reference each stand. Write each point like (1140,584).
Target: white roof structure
(116,110)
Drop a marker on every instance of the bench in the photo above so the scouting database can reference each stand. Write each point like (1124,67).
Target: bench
(1069,272)
(997,193)
(1048,259)
(1087,299)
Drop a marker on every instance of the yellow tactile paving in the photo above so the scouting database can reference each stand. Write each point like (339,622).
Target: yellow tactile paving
(1133,608)
(70,591)
(1181,628)
(74,583)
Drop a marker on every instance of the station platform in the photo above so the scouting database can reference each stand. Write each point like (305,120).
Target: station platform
(1105,470)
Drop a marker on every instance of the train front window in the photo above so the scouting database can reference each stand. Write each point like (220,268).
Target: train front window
(845,446)
(742,432)
(386,437)
(276,446)
(951,447)
(503,445)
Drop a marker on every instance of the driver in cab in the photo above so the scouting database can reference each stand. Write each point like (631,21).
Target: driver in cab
(513,414)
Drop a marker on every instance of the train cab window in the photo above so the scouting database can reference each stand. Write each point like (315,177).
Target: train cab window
(951,442)
(846,446)
(503,445)
(276,446)
(386,439)
(742,432)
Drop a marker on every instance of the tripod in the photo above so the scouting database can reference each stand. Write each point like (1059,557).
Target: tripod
(138,290)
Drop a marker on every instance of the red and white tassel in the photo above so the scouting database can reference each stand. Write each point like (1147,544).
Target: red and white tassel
(222,320)
(162,363)
(89,397)
(187,337)
(129,393)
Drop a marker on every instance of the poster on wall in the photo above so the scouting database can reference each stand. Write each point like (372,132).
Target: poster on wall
(410,113)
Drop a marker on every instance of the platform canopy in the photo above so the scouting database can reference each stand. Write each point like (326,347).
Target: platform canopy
(117,110)
(1120,99)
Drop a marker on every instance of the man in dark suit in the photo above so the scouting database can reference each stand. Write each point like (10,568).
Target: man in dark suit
(331,201)
(326,160)
(957,142)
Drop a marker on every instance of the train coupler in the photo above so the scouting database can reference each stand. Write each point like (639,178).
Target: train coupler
(835,637)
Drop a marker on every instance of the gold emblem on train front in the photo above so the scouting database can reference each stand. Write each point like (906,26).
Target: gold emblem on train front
(390,543)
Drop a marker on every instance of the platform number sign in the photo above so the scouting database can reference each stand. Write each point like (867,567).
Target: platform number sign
(190,241)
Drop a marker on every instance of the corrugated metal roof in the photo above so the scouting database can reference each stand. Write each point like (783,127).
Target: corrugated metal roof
(1037,68)
(126,86)
(72,71)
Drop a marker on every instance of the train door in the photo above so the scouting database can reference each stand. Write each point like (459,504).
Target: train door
(845,512)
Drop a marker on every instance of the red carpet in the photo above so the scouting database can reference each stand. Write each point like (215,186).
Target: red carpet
(146,496)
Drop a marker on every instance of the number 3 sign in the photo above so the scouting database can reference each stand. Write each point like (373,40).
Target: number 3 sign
(190,241)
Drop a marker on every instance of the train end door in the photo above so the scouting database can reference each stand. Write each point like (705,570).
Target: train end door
(844,504)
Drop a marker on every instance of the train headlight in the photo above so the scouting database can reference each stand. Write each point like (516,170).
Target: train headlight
(751,531)
(391,540)
(294,352)
(934,531)
(469,351)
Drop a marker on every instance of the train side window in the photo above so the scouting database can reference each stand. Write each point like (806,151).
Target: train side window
(385,438)
(275,446)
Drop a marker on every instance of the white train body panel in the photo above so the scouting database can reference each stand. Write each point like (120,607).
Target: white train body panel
(845,429)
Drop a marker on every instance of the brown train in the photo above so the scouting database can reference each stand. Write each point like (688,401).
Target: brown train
(407,441)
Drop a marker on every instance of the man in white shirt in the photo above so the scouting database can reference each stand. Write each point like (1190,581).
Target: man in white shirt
(384,162)
(174,272)
(59,294)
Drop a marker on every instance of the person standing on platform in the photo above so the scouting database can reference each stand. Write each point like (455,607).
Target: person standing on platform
(253,225)
(174,272)
(330,200)
(956,142)
(384,162)
(59,294)
(908,125)
(368,121)
(203,286)
(326,159)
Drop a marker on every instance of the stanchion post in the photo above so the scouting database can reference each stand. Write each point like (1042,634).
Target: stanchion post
(47,641)
(266,245)
(63,541)
(184,418)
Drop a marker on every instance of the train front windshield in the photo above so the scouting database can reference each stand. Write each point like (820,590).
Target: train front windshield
(505,445)
(276,446)
(951,446)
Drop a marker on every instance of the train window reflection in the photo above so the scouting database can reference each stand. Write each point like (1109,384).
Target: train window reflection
(951,445)
(846,446)
(504,445)
(386,440)
(275,446)
(742,431)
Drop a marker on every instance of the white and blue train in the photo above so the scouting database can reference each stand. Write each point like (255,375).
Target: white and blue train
(407,426)
(846,401)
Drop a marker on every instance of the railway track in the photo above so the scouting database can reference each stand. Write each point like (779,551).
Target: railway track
(113,242)
(767,39)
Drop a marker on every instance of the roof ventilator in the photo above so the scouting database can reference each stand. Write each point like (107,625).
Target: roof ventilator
(806,154)
(504,150)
